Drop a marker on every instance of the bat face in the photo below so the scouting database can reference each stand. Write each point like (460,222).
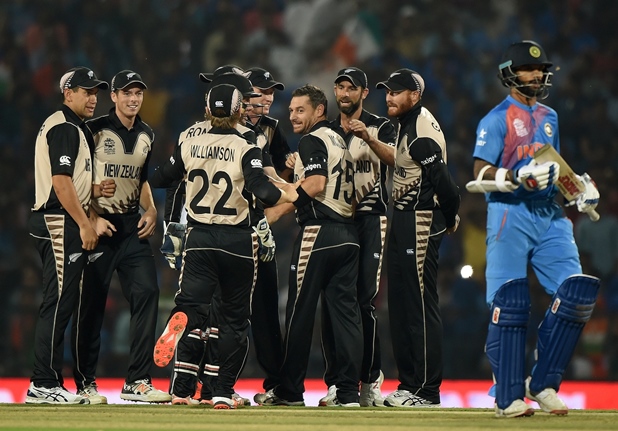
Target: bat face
(569,185)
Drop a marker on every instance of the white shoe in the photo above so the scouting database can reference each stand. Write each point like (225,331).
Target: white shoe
(92,393)
(517,409)
(183,401)
(143,391)
(370,394)
(330,399)
(262,397)
(240,400)
(403,398)
(547,400)
(57,395)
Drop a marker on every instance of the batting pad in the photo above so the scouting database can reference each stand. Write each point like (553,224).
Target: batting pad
(506,340)
(570,309)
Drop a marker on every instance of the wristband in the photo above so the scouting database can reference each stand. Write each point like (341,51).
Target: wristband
(303,198)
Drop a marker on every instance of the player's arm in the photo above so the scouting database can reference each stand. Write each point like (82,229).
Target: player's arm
(148,221)
(258,183)
(64,143)
(428,153)
(171,171)
(383,145)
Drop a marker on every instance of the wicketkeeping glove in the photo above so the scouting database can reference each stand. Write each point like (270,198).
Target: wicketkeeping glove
(173,243)
(588,200)
(267,241)
(536,176)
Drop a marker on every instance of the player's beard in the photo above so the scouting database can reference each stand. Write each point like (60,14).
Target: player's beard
(349,110)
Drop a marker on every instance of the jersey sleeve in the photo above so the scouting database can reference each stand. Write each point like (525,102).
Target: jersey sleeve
(388,134)
(279,149)
(255,179)
(314,156)
(490,135)
(266,156)
(63,141)
(172,170)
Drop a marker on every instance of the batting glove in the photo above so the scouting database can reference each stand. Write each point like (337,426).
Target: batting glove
(535,176)
(266,239)
(588,200)
(173,243)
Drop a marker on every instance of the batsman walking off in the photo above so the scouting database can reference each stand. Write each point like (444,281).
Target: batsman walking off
(525,225)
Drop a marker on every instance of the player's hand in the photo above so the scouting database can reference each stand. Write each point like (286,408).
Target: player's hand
(536,176)
(104,227)
(147,223)
(453,229)
(290,161)
(173,243)
(290,192)
(89,237)
(266,239)
(105,189)
(588,200)
(358,128)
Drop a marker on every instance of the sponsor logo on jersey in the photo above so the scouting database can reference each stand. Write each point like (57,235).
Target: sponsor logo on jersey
(65,161)
(410,251)
(400,171)
(109,146)
(312,166)
(548,130)
(94,256)
(376,256)
(172,160)
(293,268)
(482,133)
(435,126)
(520,128)
(480,143)
(256,163)
(73,257)
(429,160)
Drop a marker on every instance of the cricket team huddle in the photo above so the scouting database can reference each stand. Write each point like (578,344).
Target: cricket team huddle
(233,175)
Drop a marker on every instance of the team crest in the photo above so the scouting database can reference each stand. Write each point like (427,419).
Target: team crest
(548,130)
(109,146)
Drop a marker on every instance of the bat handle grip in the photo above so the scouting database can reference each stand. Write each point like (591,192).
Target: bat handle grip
(594,216)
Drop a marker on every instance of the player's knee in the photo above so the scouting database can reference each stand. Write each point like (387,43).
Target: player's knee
(575,298)
(511,304)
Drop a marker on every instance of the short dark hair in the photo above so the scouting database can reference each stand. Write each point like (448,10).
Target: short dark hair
(315,94)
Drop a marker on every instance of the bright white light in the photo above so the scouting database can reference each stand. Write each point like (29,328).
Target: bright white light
(466,271)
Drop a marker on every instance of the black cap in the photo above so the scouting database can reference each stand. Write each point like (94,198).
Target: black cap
(262,79)
(223,100)
(526,52)
(403,79)
(239,81)
(124,78)
(228,68)
(81,77)
(353,74)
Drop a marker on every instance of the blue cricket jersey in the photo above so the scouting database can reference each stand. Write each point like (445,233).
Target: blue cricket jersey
(508,136)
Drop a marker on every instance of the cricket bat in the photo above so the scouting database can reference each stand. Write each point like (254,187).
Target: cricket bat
(569,185)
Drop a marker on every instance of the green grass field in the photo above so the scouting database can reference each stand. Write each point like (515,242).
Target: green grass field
(172,418)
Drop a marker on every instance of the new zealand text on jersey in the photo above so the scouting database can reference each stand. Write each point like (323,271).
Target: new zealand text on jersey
(219,153)
(113,170)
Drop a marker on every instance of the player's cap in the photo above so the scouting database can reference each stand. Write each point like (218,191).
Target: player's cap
(124,78)
(81,77)
(223,100)
(239,81)
(404,79)
(228,68)
(526,52)
(262,79)
(357,77)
